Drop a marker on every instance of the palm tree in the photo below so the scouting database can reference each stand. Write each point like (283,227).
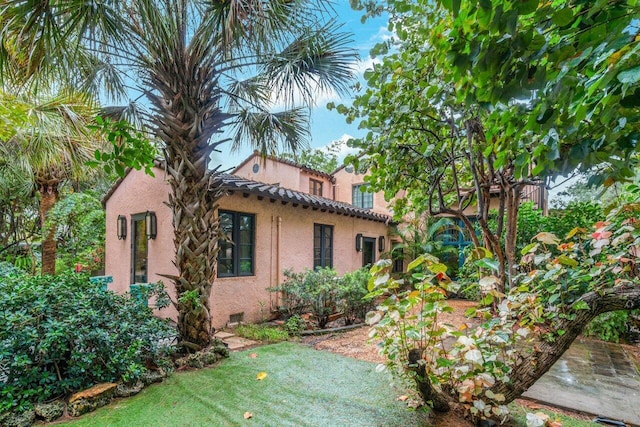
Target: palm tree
(48,144)
(213,73)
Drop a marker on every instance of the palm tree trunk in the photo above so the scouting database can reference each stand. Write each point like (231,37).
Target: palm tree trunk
(196,242)
(186,128)
(48,198)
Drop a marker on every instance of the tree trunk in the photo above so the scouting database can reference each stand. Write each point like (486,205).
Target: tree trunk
(513,199)
(186,117)
(544,354)
(48,198)
(436,399)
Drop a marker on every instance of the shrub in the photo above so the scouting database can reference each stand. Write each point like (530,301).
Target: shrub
(294,325)
(294,296)
(352,288)
(312,290)
(611,326)
(62,334)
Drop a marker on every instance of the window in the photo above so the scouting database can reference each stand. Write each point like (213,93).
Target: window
(315,187)
(236,255)
(368,251)
(139,249)
(322,245)
(361,197)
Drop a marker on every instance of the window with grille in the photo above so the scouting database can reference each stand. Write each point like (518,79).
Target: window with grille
(362,198)
(322,245)
(237,250)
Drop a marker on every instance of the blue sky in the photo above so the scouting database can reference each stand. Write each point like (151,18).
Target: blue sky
(328,126)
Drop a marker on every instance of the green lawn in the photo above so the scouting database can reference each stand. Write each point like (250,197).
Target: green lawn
(303,387)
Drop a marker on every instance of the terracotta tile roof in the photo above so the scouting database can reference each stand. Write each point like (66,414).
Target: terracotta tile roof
(270,191)
(236,183)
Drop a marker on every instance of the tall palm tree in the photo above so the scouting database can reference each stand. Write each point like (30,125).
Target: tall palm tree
(213,72)
(47,144)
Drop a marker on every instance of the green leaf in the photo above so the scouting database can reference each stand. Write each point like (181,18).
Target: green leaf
(416,263)
(631,75)
(487,300)
(565,260)
(531,247)
(525,7)
(443,362)
(562,17)
(438,268)
(488,263)
(581,305)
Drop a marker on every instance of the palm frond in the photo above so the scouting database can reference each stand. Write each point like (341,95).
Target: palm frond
(252,91)
(52,135)
(268,132)
(318,60)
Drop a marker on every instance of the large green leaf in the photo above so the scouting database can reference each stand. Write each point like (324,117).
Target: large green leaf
(631,75)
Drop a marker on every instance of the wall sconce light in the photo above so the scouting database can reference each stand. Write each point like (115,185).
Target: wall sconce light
(381,244)
(358,242)
(121,227)
(151,224)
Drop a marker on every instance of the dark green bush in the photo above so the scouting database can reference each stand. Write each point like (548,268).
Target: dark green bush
(611,326)
(295,324)
(311,291)
(352,288)
(322,293)
(294,299)
(62,334)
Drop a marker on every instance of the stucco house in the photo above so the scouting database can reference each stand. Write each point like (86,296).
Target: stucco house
(280,215)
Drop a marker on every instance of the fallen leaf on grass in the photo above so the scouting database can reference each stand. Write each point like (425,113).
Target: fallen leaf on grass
(253,355)
(554,424)
(247,415)
(261,376)
(402,398)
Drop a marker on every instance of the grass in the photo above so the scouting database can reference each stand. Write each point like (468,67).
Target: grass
(303,387)
(263,333)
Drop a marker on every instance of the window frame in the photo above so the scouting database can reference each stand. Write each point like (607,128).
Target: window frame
(322,237)
(358,198)
(235,244)
(368,242)
(139,218)
(314,186)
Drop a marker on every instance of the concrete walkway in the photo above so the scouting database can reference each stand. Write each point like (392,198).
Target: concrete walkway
(594,377)
(233,342)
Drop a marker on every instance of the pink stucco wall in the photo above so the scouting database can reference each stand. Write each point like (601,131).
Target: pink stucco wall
(283,239)
(136,194)
(271,171)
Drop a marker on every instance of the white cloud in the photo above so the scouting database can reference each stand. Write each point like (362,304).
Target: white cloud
(382,35)
(367,64)
(341,145)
